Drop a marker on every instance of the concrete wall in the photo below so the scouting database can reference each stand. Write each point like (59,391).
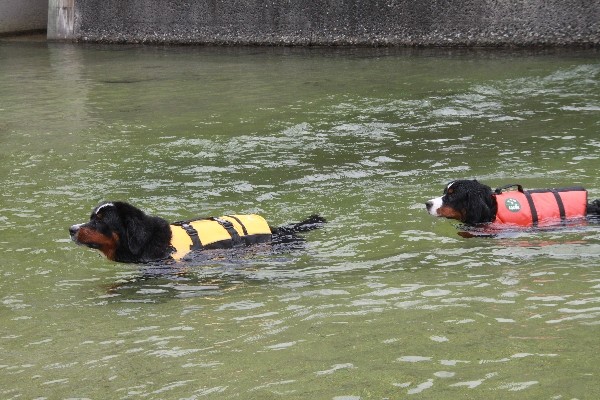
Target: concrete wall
(61,19)
(18,16)
(340,22)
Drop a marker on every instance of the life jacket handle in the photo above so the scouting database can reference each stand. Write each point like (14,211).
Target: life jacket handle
(189,221)
(503,188)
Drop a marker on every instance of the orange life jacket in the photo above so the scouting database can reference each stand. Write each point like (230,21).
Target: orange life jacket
(540,206)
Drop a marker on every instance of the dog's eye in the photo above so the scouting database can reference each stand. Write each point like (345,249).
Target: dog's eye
(448,193)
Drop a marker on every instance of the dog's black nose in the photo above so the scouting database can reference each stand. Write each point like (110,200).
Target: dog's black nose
(73,230)
(429,204)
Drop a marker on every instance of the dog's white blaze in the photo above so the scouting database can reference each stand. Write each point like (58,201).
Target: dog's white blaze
(103,206)
(436,203)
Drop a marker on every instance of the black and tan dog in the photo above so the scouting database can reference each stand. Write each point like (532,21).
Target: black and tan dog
(125,233)
(472,202)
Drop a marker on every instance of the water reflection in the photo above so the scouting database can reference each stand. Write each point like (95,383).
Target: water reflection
(206,273)
(155,289)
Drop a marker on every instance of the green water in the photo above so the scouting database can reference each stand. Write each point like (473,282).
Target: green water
(386,302)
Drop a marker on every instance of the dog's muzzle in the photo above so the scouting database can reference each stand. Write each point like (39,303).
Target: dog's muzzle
(73,231)
(433,206)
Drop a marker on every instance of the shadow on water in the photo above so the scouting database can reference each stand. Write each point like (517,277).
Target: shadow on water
(206,273)
(126,80)
(578,225)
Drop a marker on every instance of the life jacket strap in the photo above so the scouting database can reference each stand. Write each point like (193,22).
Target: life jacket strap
(193,234)
(534,214)
(560,204)
(241,224)
(236,240)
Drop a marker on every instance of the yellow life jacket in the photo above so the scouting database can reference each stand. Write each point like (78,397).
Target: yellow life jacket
(218,233)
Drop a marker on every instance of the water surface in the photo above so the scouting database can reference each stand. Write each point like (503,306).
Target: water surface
(385,302)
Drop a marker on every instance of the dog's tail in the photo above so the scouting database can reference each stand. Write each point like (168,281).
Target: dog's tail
(593,208)
(313,222)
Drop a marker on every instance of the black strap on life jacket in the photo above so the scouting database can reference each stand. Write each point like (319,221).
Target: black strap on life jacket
(236,240)
(239,222)
(560,204)
(193,234)
(534,214)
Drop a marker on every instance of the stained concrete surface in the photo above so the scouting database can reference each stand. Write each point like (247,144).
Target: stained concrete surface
(341,22)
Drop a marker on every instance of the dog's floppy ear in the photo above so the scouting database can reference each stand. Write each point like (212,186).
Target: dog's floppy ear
(136,234)
(479,208)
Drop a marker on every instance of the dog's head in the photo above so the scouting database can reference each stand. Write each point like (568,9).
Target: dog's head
(123,233)
(465,200)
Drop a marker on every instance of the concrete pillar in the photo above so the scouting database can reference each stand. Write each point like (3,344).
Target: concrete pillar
(61,19)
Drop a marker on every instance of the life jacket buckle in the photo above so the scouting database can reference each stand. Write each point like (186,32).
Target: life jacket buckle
(193,234)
